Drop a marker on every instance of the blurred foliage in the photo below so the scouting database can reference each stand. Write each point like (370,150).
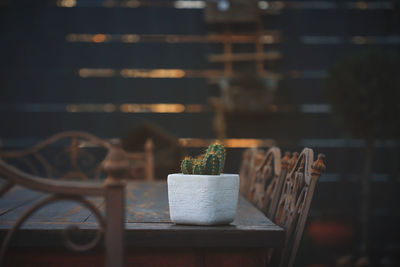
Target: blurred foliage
(364,93)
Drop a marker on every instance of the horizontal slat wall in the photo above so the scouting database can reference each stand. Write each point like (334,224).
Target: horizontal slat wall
(39,87)
(108,55)
(61,21)
(44,124)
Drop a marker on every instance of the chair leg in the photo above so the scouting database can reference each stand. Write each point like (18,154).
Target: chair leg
(115,225)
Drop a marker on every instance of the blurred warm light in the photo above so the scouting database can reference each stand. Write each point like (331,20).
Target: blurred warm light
(190,4)
(131,4)
(130,38)
(86,38)
(152,108)
(66,3)
(246,143)
(136,108)
(155,73)
(100,38)
(148,108)
(164,73)
(266,38)
(229,143)
(85,72)
(91,108)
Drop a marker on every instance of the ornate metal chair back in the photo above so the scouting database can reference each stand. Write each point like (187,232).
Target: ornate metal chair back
(76,155)
(252,158)
(66,155)
(295,200)
(269,180)
(112,190)
(244,172)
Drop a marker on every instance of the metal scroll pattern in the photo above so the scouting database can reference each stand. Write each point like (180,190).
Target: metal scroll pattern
(294,191)
(266,182)
(112,190)
(67,240)
(58,191)
(295,200)
(252,160)
(67,155)
(244,172)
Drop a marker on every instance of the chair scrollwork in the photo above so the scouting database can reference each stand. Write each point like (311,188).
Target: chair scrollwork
(66,155)
(77,155)
(294,204)
(267,176)
(252,159)
(112,190)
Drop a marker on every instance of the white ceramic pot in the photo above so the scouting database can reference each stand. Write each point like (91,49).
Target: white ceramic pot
(203,199)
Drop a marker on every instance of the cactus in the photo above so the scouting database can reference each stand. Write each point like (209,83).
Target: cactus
(219,150)
(187,165)
(211,163)
(198,167)
(215,147)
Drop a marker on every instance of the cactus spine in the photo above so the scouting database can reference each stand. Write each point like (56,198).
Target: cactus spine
(219,151)
(211,163)
(187,165)
(198,167)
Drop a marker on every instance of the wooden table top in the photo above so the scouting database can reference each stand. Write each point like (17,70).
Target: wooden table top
(147,222)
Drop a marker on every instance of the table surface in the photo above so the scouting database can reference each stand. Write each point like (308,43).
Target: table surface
(147,222)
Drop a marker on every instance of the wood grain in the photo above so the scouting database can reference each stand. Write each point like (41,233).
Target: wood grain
(147,223)
(158,257)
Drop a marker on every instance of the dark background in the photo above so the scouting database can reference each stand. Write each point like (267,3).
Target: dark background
(39,78)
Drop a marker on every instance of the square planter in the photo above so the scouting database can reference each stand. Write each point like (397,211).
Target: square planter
(203,199)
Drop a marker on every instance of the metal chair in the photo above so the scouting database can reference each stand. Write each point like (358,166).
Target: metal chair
(294,203)
(269,179)
(252,158)
(112,190)
(69,155)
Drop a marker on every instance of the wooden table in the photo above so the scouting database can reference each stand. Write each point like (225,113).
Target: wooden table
(151,239)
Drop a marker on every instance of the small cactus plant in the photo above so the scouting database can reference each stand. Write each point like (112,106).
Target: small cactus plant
(198,167)
(187,165)
(211,163)
(219,151)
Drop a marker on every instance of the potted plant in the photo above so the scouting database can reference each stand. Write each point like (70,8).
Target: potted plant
(202,194)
